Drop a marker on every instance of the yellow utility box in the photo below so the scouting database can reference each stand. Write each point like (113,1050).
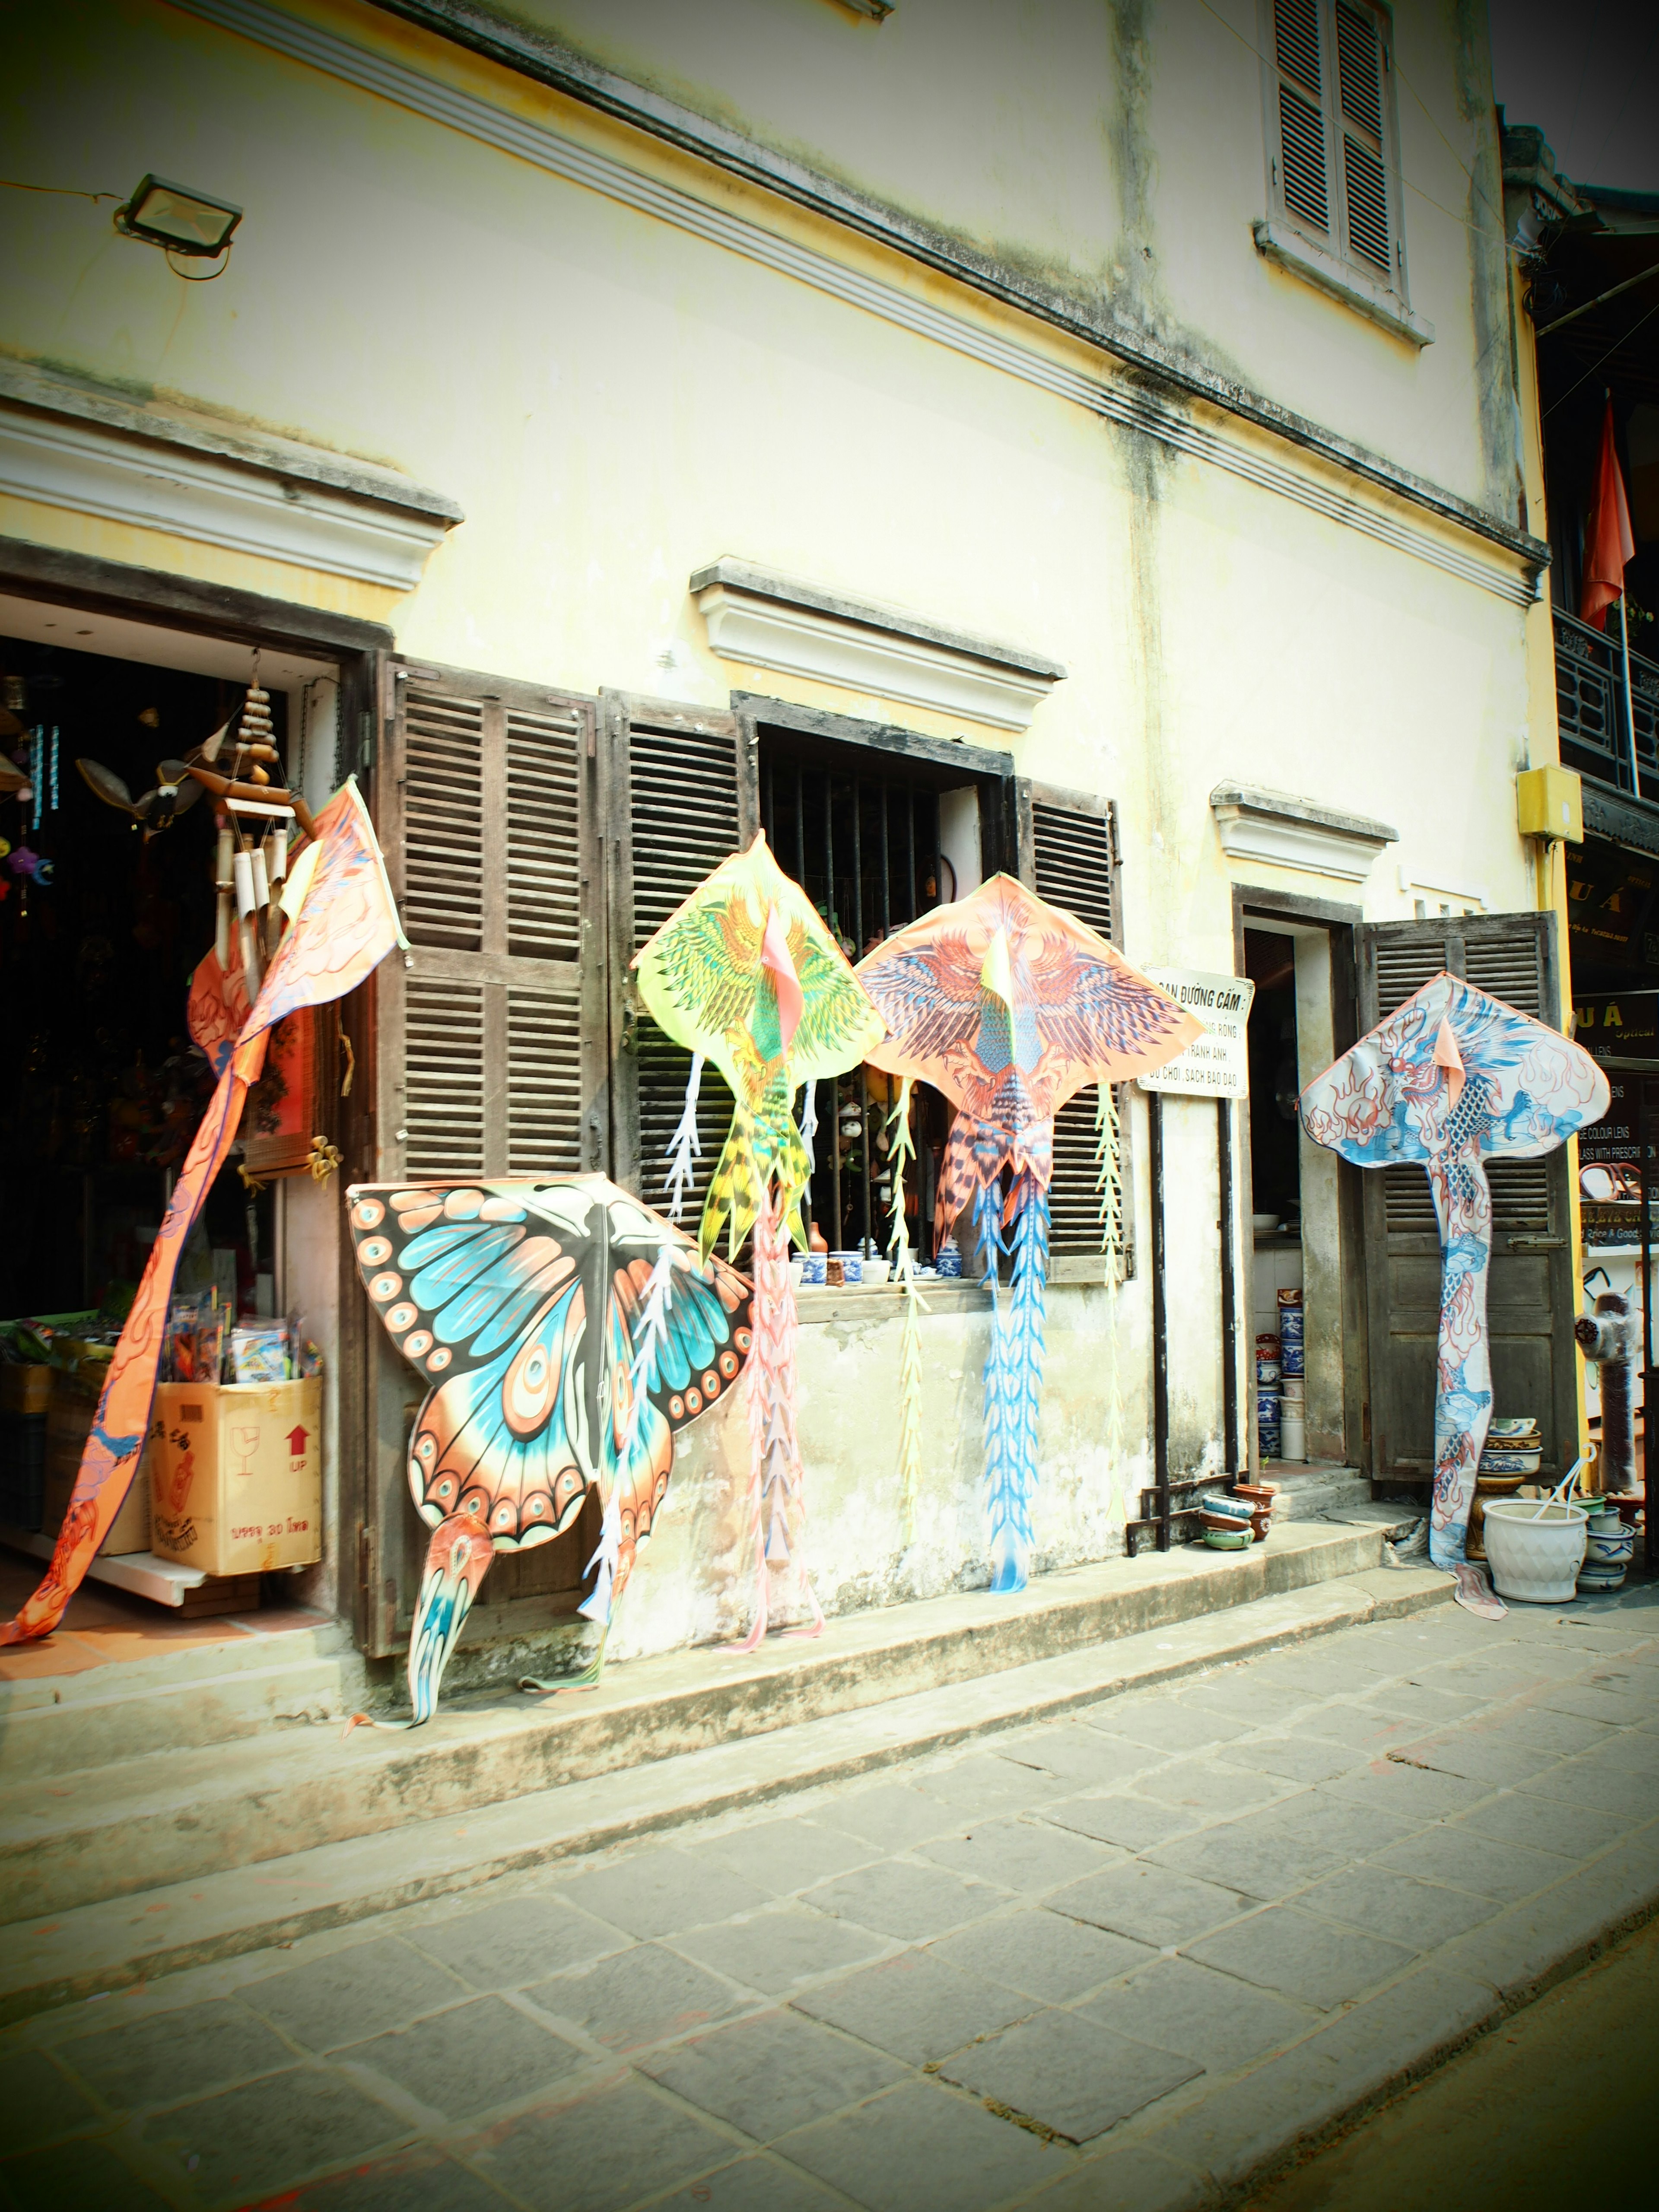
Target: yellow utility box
(1549,802)
(236,1475)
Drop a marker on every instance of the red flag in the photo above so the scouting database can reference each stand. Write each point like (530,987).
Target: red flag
(1608,542)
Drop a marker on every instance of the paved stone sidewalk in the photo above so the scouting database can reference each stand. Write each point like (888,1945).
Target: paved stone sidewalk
(1119,1960)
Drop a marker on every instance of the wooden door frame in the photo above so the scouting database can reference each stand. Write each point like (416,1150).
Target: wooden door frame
(1340,921)
(360,651)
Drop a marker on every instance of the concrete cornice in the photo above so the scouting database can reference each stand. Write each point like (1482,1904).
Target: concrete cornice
(71,445)
(1291,832)
(1158,396)
(770,621)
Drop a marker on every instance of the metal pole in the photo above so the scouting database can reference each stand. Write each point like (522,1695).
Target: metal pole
(1224,1117)
(1160,1333)
(1630,708)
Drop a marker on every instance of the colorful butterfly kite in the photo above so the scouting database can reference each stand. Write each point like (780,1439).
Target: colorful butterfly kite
(1009,1006)
(567,1333)
(344,925)
(1452,1078)
(745,974)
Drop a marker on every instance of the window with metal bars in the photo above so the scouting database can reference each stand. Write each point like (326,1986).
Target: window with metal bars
(1331,129)
(875,839)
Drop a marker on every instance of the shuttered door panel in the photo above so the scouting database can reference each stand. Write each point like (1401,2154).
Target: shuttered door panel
(543,1089)
(544,873)
(498,1070)
(674,817)
(444,816)
(492,1045)
(444,1061)
(1530,1289)
(1072,866)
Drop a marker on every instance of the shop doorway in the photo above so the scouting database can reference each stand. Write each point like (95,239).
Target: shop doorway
(104,918)
(1304,1239)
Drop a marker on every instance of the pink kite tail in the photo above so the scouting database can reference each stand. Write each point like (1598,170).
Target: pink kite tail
(777,1499)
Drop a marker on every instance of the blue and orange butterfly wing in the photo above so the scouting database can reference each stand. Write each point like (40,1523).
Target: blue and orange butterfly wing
(485,1302)
(520,1303)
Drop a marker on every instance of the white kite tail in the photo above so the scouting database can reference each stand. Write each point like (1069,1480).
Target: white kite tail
(900,1149)
(650,1335)
(777,1504)
(685,1148)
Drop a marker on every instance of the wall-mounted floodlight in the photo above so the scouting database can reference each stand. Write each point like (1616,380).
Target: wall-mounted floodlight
(181,221)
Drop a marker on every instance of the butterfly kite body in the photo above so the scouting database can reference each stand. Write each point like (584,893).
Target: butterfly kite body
(566,1334)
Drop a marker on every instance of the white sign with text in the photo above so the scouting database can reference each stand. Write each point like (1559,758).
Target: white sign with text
(1216,1065)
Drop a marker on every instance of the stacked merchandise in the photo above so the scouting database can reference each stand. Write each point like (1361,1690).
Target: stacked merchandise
(1293,1433)
(52,1370)
(1268,1396)
(203,1345)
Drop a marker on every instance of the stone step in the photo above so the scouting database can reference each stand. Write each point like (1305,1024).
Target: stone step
(1307,1494)
(83,1951)
(181,1698)
(111,1831)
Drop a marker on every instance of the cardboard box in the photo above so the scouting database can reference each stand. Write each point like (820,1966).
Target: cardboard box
(24,1390)
(236,1475)
(69,1423)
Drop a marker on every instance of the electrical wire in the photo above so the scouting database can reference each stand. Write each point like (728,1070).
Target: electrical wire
(63,192)
(1595,365)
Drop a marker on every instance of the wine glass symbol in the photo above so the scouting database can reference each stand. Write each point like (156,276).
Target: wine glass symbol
(244,1443)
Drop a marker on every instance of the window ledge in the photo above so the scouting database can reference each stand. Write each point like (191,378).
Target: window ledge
(1287,249)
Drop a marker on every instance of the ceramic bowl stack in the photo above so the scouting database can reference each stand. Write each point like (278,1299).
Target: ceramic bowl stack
(1609,1543)
(1230,1523)
(1267,1395)
(1292,1412)
(1513,1448)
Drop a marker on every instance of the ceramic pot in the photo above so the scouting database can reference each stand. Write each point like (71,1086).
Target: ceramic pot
(949,1260)
(811,1270)
(1228,1539)
(1293,1433)
(1267,1370)
(1535,1561)
(1290,1357)
(1504,1461)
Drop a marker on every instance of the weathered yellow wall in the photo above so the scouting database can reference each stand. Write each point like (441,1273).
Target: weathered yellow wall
(613,403)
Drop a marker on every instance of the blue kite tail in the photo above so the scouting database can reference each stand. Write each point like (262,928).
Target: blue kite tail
(1013,1391)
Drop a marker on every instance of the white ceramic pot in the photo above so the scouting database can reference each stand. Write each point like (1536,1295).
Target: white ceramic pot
(1536,1561)
(1293,1431)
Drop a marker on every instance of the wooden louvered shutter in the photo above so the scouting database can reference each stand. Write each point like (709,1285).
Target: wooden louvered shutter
(1530,1293)
(1072,839)
(675,809)
(493,1055)
(1303,150)
(1361,61)
(491,1036)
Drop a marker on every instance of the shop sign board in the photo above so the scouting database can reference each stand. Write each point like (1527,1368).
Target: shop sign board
(1216,1065)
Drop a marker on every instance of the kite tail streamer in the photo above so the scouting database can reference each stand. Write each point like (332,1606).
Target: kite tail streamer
(1017,1355)
(686,1146)
(900,1149)
(777,1499)
(650,1335)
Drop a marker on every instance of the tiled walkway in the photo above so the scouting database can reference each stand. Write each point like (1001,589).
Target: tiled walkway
(1113,1962)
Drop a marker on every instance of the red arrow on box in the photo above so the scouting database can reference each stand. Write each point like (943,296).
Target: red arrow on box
(296,1441)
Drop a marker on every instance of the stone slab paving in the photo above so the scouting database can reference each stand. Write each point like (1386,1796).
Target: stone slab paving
(1127,1959)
